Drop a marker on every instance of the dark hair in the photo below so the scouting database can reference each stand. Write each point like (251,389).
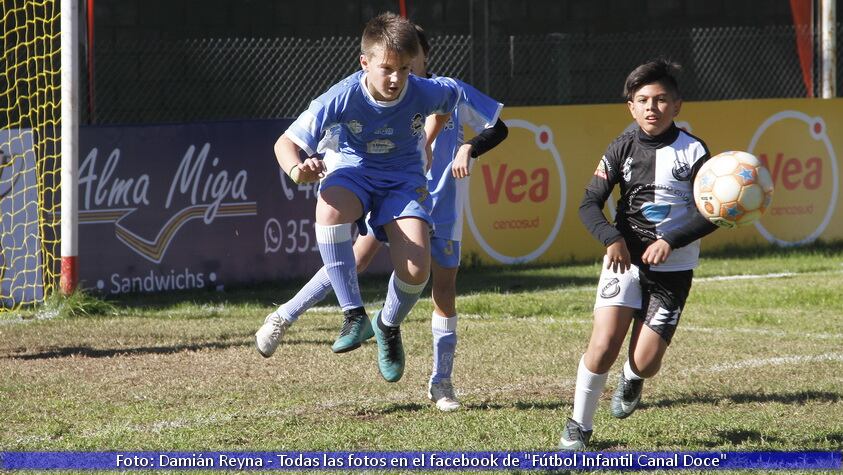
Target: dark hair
(423,42)
(655,71)
(393,32)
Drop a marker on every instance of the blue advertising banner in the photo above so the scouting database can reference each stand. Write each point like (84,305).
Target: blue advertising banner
(190,206)
(403,461)
(21,254)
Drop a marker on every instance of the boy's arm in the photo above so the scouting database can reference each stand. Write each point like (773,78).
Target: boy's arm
(478,145)
(698,226)
(591,207)
(432,126)
(287,154)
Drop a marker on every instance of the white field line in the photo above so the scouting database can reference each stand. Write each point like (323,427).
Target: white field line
(762,331)
(776,361)
(776,275)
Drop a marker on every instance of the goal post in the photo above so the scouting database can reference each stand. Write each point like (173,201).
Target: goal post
(69,144)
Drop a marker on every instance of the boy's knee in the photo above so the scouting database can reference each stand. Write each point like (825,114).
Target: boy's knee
(600,356)
(416,277)
(647,368)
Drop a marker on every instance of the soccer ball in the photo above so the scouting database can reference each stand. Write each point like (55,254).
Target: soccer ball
(733,189)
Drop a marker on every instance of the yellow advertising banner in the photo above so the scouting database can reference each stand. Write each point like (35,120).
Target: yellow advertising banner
(524,194)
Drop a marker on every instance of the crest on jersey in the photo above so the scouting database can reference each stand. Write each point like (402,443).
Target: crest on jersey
(681,169)
(627,169)
(417,125)
(354,126)
(450,124)
(380,146)
(611,289)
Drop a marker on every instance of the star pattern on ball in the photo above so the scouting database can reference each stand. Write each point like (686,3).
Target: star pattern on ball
(746,174)
(732,211)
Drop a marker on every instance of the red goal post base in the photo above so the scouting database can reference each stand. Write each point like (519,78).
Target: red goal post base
(69,274)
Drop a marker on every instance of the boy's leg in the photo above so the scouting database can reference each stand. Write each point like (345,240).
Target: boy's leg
(664,297)
(336,211)
(646,350)
(354,332)
(444,323)
(607,335)
(618,298)
(276,323)
(409,248)
(268,337)
(610,327)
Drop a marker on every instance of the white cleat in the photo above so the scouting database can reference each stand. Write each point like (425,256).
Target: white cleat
(270,333)
(442,393)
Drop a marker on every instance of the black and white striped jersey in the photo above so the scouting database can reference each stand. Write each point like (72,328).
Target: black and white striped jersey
(656,176)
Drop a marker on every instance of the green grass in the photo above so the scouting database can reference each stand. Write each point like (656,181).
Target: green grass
(757,364)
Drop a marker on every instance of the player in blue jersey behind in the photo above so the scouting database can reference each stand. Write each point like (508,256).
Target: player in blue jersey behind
(380,173)
(452,159)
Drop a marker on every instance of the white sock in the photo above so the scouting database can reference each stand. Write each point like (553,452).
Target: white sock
(628,373)
(444,331)
(589,388)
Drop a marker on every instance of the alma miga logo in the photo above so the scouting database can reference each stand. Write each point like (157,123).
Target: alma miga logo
(206,192)
(516,198)
(797,151)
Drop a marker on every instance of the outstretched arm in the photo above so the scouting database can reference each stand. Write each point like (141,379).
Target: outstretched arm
(476,146)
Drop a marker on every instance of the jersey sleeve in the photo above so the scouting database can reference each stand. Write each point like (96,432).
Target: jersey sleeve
(447,94)
(321,115)
(598,190)
(476,109)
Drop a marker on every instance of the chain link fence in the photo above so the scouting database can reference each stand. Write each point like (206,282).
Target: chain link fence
(232,78)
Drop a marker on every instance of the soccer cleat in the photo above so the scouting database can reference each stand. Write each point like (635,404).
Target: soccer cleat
(442,393)
(355,330)
(270,333)
(626,397)
(574,437)
(390,350)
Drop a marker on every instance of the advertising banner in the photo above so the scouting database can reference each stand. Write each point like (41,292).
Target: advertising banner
(525,193)
(21,254)
(190,206)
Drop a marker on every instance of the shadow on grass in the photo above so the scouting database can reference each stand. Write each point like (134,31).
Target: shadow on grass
(393,408)
(503,280)
(88,352)
(801,397)
(519,405)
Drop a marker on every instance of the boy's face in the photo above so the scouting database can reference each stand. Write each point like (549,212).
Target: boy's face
(386,73)
(654,107)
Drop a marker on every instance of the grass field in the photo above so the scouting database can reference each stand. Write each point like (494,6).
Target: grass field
(757,364)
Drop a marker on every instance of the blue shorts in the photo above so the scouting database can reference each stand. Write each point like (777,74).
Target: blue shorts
(385,196)
(445,252)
